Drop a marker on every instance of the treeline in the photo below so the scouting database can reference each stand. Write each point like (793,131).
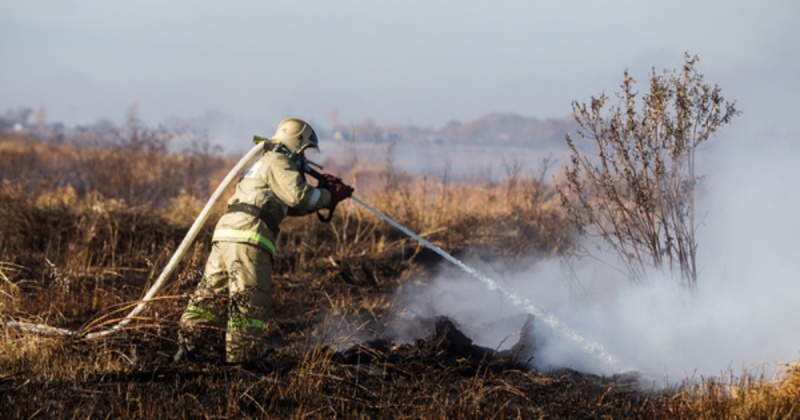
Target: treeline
(496,129)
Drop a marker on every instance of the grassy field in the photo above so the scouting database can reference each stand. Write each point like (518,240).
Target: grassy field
(84,231)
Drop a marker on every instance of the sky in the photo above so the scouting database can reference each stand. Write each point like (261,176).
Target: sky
(248,64)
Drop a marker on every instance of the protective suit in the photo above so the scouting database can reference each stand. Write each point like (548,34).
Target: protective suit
(235,293)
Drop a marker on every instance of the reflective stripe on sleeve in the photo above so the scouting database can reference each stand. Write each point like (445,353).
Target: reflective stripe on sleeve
(314,198)
(238,235)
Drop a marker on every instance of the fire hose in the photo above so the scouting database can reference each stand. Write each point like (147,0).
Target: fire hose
(177,256)
(589,345)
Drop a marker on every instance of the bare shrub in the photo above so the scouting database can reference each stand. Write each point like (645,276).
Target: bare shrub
(134,164)
(636,191)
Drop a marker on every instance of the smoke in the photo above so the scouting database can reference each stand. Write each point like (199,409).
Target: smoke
(743,318)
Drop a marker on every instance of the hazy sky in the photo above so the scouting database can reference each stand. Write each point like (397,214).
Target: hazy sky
(421,62)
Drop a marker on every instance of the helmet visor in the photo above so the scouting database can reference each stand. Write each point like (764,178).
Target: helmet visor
(313,141)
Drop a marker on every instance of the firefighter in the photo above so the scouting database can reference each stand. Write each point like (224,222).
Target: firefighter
(235,293)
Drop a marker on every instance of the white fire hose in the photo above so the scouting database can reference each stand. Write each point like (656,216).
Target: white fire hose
(234,174)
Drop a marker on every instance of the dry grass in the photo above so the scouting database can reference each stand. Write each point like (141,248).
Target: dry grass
(76,256)
(744,397)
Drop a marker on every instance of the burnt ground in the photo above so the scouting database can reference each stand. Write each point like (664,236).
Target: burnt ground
(441,375)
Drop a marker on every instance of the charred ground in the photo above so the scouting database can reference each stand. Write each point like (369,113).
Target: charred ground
(80,242)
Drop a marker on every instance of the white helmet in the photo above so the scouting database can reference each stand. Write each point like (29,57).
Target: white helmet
(296,135)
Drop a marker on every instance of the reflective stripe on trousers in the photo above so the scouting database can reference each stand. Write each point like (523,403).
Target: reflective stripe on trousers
(246,323)
(232,322)
(202,313)
(223,234)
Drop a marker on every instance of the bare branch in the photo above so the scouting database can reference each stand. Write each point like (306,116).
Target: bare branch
(636,191)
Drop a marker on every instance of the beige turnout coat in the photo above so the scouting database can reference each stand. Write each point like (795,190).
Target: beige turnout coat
(275,187)
(271,189)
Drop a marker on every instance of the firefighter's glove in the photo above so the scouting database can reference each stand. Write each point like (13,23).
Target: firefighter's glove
(327,180)
(332,179)
(339,192)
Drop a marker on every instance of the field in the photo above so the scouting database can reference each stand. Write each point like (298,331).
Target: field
(85,230)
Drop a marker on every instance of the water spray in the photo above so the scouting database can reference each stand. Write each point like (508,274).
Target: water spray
(589,345)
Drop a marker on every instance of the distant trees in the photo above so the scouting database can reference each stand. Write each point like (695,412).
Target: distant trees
(634,185)
(20,115)
(495,129)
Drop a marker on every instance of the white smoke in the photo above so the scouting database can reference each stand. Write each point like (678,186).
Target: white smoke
(743,318)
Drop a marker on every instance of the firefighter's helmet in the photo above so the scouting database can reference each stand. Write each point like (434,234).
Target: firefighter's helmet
(296,135)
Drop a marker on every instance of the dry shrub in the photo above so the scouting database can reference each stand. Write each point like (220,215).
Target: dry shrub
(634,185)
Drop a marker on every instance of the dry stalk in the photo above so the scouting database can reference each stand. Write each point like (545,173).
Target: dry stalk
(636,190)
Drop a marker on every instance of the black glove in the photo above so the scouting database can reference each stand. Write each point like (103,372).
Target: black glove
(339,192)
